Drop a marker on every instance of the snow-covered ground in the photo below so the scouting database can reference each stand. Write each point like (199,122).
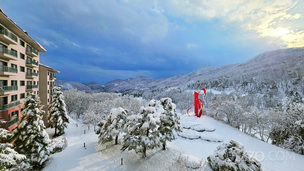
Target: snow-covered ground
(93,157)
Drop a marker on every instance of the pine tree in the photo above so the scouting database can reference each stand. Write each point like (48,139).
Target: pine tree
(31,138)
(112,126)
(169,121)
(57,112)
(142,131)
(9,158)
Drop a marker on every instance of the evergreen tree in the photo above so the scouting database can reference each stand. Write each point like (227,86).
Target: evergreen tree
(112,126)
(57,112)
(9,158)
(142,131)
(31,138)
(169,121)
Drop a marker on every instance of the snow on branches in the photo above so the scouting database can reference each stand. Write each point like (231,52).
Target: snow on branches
(152,127)
(31,138)
(112,126)
(57,112)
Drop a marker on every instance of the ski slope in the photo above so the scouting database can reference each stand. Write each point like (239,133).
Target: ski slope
(93,157)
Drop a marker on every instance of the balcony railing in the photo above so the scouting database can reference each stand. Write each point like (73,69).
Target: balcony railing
(31,74)
(8,69)
(29,49)
(8,88)
(32,62)
(7,51)
(7,106)
(12,122)
(8,34)
(31,86)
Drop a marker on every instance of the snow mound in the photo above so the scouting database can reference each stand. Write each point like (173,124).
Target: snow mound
(189,134)
(57,144)
(190,161)
(200,128)
(212,137)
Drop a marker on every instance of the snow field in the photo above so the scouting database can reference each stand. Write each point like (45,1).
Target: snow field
(108,157)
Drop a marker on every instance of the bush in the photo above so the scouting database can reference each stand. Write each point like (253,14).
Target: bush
(231,156)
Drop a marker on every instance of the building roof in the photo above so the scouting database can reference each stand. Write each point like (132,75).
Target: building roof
(7,22)
(49,68)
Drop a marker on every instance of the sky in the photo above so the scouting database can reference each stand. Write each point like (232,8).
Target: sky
(103,40)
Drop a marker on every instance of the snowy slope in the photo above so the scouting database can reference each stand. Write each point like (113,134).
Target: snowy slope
(75,157)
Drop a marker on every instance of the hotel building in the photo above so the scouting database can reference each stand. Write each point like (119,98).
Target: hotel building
(19,70)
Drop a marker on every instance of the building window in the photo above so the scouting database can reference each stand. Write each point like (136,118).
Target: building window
(37,92)
(34,82)
(22,69)
(22,83)
(48,83)
(14,115)
(14,97)
(22,56)
(14,52)
(48,100)
(14,66)
(48,91)
(29,83)
(22,95)
(48,73)
(22,43)
(14,83)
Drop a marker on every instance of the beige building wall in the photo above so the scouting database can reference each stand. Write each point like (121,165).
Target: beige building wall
(19,70)
(46,85)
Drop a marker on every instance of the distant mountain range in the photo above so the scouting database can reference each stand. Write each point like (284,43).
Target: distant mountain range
(269,67)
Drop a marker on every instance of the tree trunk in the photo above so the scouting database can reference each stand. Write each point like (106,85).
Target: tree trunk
(164,145)
(116,140)
(144,152)
(56,128)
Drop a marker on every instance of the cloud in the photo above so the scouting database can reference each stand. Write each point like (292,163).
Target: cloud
(47,43)
(263,17)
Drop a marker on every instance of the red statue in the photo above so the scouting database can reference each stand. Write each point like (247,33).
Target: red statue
(198,103)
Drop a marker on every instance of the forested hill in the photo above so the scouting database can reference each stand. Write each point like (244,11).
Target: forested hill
(279,70)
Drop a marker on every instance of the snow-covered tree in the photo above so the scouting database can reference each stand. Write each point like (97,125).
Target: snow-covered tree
(9,158)
(57,112)
(169,121)
(31,137)
(112,126)
(142,131)
(288,131)
(232,156)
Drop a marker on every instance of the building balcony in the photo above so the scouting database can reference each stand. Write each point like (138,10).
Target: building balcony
(31,75)
(31,63)
(7,71)
(12,122)
(7,37)
(31,87)
(31,52)
(10,105)
(7,89)
(7,54)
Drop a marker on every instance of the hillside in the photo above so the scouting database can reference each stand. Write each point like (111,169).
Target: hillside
(284,65)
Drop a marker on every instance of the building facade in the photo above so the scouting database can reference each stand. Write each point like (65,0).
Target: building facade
(46,85)
(19,70)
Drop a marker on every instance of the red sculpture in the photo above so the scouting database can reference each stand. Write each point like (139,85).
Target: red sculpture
(198,103)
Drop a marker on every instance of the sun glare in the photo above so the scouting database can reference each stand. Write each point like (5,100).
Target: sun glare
(280,32)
